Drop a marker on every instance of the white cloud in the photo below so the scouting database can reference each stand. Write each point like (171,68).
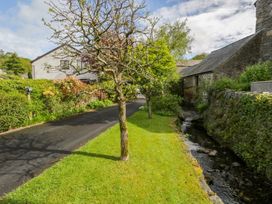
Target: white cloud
(213,23)
(24,32)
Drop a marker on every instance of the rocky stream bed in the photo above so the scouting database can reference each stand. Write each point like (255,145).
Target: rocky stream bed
(225,173)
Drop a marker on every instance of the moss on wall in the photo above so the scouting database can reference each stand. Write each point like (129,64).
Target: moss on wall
(243,122)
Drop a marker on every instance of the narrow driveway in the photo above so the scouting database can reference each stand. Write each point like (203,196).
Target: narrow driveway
(26,153)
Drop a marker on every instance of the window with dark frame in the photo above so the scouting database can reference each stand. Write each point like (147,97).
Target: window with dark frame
(64,64)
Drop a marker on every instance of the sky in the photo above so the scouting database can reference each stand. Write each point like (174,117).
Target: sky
(213,23)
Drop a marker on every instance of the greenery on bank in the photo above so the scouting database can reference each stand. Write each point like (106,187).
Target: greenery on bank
(239,119)
(253,73)
(49,100)
(258,72)
(243,122)
(159,170)
(167,105)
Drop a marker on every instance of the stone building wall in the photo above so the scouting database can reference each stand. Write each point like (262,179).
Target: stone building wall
(190,89)
(266,46)
(264,15)
(248,55)
(264,22)
(194,86)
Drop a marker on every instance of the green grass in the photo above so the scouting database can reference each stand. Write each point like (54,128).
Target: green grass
(159,170)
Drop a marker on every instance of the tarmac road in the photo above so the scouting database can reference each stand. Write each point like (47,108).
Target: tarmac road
(26,153)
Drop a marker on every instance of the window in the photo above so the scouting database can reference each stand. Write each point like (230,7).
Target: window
(64,64)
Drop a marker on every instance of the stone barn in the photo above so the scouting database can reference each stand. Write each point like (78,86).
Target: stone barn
(232,60)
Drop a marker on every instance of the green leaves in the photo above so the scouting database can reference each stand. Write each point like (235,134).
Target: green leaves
(49,100)
(14,110)
(177,38)
(243,121)
(13,64)
(158,67)
(257,72)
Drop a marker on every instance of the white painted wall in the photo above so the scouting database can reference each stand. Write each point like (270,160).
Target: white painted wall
(48,67)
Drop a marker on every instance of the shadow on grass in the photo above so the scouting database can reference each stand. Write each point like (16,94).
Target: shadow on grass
(95,155)
(13,201)
(24,157)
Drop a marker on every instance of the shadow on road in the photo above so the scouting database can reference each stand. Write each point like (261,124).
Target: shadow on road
(26,153)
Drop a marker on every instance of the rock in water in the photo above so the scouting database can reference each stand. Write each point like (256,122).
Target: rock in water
(213,153)
(235,164)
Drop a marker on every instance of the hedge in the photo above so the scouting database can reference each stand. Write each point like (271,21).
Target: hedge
(14,111)
(243,122)
(50,100)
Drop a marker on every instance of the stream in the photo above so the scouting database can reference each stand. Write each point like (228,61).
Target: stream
(225,173)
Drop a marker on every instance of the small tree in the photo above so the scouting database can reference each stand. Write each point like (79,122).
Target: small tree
(176,36)
(13,65)
(106,32)
(159,67)
(201,56)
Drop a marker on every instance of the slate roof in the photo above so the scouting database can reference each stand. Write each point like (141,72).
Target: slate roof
(186,64)
(53,50)
(217,58)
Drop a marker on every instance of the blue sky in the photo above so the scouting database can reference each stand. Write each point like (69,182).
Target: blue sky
(213,23)
(7,4)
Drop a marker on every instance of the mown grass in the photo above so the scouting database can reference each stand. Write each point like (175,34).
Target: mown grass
(159,170)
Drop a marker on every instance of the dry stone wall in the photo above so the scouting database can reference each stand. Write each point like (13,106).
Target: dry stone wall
(242,121)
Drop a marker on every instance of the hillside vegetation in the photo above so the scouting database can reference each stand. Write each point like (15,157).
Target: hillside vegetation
(50,100)
(23,64)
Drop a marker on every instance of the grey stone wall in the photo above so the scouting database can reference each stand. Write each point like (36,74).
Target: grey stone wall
(264,15)
(242,122)
(266,46)
(190,89)
(264,22)
(248,55)
(261,86)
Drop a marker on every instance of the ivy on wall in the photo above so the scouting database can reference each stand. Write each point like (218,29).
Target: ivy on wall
(243,122)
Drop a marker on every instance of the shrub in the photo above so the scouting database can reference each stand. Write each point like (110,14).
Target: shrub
(258,72)
(201,107)
(108,86)
(228,83)
(173,86)
(49,100)
(71,87)
(14,111)
(166,105)
(97,104)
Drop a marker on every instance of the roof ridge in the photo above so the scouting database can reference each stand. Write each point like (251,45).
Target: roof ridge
(52,50)
(219,56)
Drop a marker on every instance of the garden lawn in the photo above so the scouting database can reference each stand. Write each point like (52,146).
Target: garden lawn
(159,170)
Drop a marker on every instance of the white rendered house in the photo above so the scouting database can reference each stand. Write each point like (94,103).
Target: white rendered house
(58,64)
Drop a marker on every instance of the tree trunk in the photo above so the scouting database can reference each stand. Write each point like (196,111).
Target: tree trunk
(123,130)
(149,107)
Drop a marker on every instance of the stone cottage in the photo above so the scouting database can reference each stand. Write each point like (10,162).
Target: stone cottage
(60,63)
(232,60)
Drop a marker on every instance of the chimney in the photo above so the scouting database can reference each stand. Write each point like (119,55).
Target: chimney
(264,23)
